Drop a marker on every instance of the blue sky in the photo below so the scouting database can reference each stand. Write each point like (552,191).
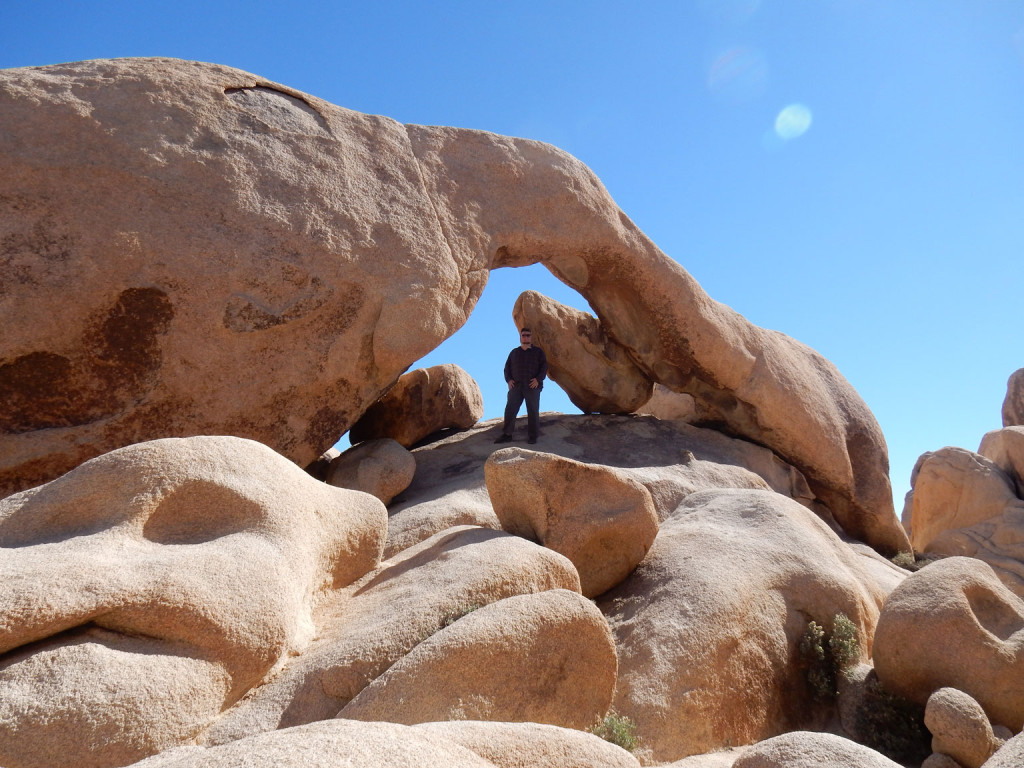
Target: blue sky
(886,234)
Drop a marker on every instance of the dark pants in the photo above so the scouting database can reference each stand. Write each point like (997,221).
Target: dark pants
(516,395)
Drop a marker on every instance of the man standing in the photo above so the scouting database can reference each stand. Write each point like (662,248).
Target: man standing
(525,370)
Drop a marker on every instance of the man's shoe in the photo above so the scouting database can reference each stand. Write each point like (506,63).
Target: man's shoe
(532,440)
(506,439)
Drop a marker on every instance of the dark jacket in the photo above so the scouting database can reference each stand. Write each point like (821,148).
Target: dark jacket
(525,364)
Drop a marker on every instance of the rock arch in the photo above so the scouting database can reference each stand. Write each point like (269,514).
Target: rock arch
(308,259)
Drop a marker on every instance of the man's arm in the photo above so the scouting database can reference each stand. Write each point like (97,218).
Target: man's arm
(508,370)
(542,370)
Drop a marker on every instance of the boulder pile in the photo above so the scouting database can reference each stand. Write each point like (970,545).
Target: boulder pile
(692,572)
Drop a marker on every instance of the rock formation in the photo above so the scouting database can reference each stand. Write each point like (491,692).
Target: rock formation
(671,460)
(123,597)
(596,372)
(1013,405)
(422,402)
(544,658)
(802,749)
(954,625)
(666,404)
(600,519)
(708,625)
(382,468)
(960,728)
(177,199)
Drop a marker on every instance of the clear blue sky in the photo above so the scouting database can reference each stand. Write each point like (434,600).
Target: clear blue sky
(887,234)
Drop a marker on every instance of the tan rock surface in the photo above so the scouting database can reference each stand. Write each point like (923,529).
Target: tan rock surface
(186,200)
(707,627)
(421,403)
(803,749)
(1013,404)
(939,760)
(382,468)
(532,745)
(328,744)
(544,658)
(1010,755)
(954,624)
(671,460)
(959,727)
(955,488)
(380,618)
(130,615)
(666,404)
(595,371)
(602,520)
(1005,447)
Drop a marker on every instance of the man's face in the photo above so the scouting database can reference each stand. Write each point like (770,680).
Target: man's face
(526,339)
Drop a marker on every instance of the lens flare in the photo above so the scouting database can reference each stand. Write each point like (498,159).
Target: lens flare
(792,122)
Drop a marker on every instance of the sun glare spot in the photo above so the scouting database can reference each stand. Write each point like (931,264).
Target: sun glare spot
(792,122)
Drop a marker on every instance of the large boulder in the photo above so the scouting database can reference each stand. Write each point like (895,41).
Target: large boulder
(708,626)
(151,587)
(595,371)
(329,744)
(382,468)
(518,745)
(954,488)
(803,749)
(671,460)
(600,519)
(544,658)
(1013,404)
(166,201)
(1005,447)
(375,622)
(421,403)
(960,727)
(954,624)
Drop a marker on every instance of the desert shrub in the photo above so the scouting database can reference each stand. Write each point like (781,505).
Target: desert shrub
(617,729)
(912,562)
(844,644)
(892,725)
(825,656)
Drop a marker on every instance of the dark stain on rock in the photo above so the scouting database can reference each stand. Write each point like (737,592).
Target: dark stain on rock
(114,364)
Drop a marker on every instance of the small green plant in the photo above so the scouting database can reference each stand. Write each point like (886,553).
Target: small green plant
(911,562)
(617,729)
(826,656)
(844,643)
(892,725)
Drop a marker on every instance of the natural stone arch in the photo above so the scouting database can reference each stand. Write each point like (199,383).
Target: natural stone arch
(305,255)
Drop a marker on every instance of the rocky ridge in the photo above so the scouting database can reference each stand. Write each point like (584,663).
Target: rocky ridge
(174,599)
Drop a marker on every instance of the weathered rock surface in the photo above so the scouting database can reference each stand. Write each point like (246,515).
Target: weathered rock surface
(318,253)
(421,403)
(151,587)
(1013,405)
(532,745)
(955,488)
(1010,755)
(670,459)
(544,658)
(803,749)
(954,624)
(595,371)
(380,618)
(602,520)
(707,627)
(959,727)
(1005,447)
(328,744)
(939,760)
(666,404)
(381,468)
